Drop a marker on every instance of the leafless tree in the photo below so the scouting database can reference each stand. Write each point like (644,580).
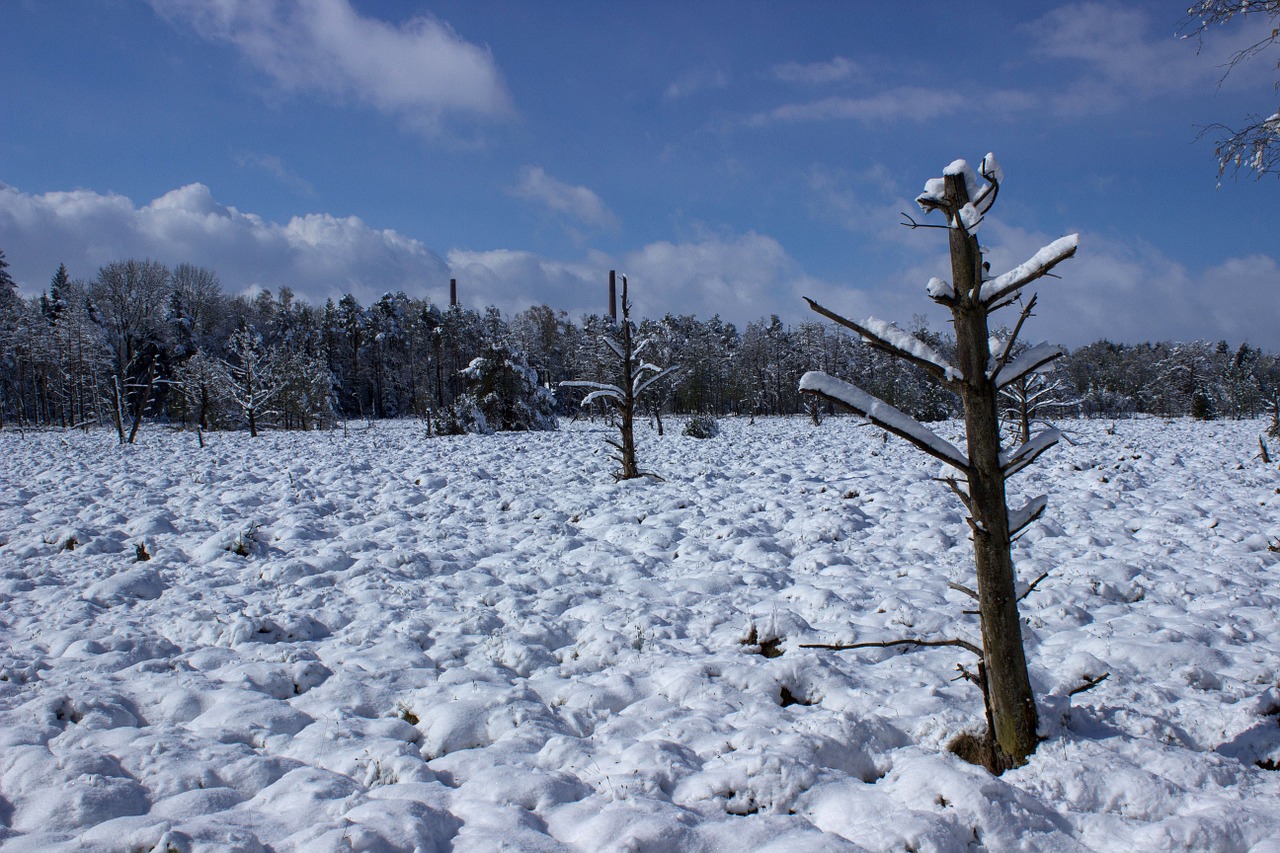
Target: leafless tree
(129,299)
(252,381)
(982,469)
(634,377)
(1255,145)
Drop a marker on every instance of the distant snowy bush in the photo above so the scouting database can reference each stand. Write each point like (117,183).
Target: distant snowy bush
(702,426)
(503,394)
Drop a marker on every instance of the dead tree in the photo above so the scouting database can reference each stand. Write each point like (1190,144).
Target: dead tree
(982,469)
(635,377)
(1031,398)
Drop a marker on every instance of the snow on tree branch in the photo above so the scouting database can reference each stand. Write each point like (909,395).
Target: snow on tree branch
(1015,459)
(1030,511)
(1027,362)
(642,386)
(884,416)
(1039,264)
(940,290)
(890,338)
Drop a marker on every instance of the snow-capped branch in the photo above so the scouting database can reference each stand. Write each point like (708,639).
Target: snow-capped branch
(891,339)
(1030,511)
(1014,460)
(601,390)
(940,290)
(884,416)
(1040,263)
(613,345)
(642,386)
(1027,362)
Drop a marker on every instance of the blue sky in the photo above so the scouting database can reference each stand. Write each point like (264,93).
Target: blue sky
(731,157)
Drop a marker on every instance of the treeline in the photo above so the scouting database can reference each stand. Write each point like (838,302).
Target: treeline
(142,342)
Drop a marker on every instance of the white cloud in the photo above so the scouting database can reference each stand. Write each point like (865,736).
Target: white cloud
(576,202)
(816,73)
(513,280)
(275,167)
(900,104)
(318,255)
(1121,56)
(696,80)
(740,277)
(417,72)
(1121,290)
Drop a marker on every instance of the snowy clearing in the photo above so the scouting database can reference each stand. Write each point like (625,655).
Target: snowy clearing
(381,641)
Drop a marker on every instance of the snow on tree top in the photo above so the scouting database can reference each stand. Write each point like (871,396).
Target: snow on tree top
(962,167)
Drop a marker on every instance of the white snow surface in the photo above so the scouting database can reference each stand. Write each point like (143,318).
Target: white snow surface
(483,642)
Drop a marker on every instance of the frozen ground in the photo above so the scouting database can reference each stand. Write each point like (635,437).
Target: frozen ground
(484,643)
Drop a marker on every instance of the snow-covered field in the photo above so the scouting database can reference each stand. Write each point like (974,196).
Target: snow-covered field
(484,643)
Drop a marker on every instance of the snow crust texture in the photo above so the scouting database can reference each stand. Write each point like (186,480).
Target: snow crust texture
(381,641)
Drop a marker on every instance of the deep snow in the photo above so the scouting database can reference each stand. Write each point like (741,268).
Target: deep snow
(483,643)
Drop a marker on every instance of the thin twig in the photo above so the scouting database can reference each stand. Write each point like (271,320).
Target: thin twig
(885,644)
(1090,682)
(911,223)
(961,588)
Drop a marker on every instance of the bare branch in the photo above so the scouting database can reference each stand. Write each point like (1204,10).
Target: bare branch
(1090,682)
(1013,338)
(887,418)
(886,644)
(962,588)
(1031,587)
(958,492)
(937,371)
(913,224)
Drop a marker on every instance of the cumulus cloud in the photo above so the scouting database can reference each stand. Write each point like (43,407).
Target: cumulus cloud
(575,202)
(417,72)
(513,280)
(318,255)
(739,277)
(1121,290)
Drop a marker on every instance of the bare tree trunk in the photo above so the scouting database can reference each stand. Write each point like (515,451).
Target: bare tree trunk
(142,405)
(117,402)
(1008,685)
(627,408)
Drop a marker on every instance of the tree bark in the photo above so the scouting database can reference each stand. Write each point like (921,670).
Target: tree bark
(1008,685)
